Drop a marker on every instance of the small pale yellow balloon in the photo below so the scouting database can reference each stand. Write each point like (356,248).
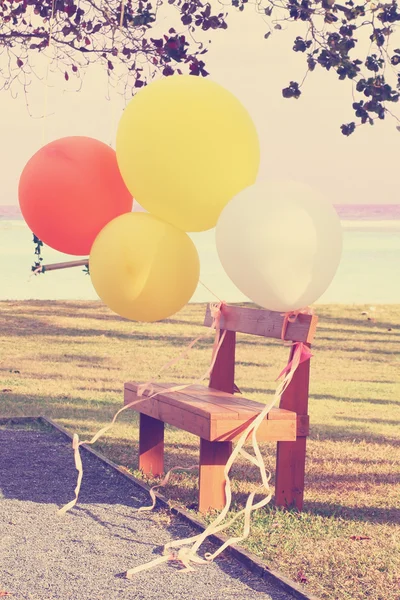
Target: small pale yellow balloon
(185,147)
(143,268)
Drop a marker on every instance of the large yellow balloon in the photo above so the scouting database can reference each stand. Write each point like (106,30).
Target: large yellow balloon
(185,147)
(143,268)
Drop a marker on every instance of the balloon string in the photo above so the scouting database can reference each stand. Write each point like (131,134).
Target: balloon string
(211,292)
(188,555)
(149,387)
(46,88)
(185,555)
(35,272)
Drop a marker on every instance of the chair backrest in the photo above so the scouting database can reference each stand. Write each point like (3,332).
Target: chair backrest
(261,322)
(266,323)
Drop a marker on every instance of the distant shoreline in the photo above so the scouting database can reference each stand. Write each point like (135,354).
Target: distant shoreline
(370,217)
(371,251)
(383,226)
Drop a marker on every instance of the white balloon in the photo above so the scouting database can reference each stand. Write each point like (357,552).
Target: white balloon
(280,242)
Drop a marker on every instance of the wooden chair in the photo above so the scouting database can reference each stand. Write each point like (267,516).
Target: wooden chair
(218,417)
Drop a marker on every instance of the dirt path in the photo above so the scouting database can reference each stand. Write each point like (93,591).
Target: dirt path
(79,556)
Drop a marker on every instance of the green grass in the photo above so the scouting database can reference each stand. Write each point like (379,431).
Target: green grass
(69,360)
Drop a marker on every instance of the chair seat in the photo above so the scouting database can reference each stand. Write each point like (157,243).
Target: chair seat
(211,414)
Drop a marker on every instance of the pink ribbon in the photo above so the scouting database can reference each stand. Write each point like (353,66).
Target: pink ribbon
(305,354)
(291,316)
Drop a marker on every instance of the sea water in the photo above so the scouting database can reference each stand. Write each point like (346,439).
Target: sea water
(369,271)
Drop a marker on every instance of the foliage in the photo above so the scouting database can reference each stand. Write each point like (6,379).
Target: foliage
(37,265)
(356,41)
(77,34)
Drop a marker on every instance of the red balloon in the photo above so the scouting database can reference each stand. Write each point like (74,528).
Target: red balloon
(69,190)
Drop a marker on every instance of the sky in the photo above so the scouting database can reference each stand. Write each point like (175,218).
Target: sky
(300,139)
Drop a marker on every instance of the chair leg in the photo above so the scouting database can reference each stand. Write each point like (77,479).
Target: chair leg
(213,458)
(290,469)
(291,456)
(151,445)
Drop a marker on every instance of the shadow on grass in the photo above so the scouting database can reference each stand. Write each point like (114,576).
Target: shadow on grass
(381,421)
(353,434)
(256,390)
(241,363)
(366,351)
(355,400)
(73,311)
(90,308)
(351,460)
(370,330)
(349,322)
(31,326)
(382,381)
(363,514)
(267,392)
(388,339)
(79,409)
(23,326)
(350,481)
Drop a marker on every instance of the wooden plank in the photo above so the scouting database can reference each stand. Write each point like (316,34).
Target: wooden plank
(295,396)
(238,404)
(189,400)
(289,485)
(243,406)
(151,445)
(163,411)
(213,403)
(65,265)
(213,458)
(282,422)
(264,323)
(223,374)
(206,401)
(280,414)
(268,431)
